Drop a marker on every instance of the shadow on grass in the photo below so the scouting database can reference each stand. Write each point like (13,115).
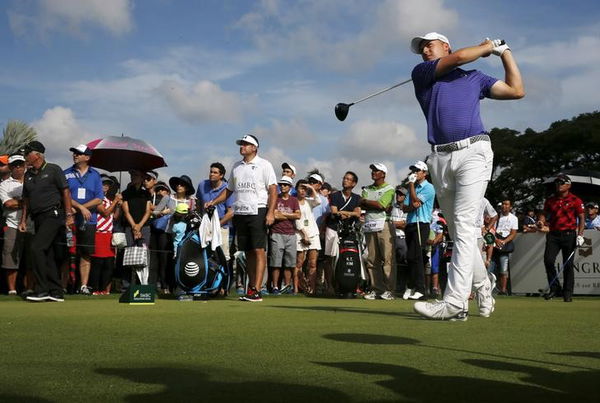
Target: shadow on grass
(189,384)
(408,315)
(365,338)
(8,398)
(585,354)
(416,386)
(580,386)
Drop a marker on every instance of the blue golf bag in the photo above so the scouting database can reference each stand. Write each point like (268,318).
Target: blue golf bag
(200,271)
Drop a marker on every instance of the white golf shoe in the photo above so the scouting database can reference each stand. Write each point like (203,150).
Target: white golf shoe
(440,310)
(484,297)
(407,293)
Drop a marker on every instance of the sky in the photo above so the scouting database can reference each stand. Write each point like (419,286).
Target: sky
(191,77)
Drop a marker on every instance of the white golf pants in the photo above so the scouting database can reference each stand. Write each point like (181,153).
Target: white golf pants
(460,179)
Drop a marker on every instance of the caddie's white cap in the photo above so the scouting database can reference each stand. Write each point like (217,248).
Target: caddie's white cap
(248,138)
(415,43)
(378,166)
(419,165)
(285,165)
(15,157)
(316,177)
(287,180)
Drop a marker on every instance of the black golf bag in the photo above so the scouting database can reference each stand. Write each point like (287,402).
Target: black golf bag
(348,268)
(200,271)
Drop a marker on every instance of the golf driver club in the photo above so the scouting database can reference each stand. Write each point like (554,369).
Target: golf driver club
(341,109)
(547,289)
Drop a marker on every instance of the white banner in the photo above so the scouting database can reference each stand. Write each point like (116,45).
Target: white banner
(527,273)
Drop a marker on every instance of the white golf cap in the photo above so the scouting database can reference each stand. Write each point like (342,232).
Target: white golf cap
(419,165)
(81,149)
(287,180)
(378,166)
(415,43)
(316,177)
(15,158)
(285,165)
(248,138)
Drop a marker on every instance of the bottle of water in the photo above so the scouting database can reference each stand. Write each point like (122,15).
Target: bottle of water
(69,237)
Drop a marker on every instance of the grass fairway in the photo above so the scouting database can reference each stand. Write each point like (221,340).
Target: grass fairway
(289,349)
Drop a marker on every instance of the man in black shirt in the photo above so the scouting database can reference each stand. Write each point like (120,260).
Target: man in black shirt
(345,205)
(47,199)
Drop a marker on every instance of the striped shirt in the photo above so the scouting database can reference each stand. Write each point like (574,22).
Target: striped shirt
(105,224)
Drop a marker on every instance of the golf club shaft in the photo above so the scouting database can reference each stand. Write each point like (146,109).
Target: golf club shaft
(381,92)
(561,270)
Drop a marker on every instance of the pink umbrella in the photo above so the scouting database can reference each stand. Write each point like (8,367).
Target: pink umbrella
(122,153)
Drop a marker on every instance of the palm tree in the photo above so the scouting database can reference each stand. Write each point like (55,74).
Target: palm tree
(15,135)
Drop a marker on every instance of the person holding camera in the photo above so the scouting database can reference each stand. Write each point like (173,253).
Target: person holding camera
(419,207)
(307,234)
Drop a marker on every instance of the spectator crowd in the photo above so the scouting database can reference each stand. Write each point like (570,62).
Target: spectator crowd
(65,230)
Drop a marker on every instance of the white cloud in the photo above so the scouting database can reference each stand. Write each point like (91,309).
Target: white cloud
(203,102)
(58,129)
(580,52)
(371,140)
(294,133)
(308,30)
(73,17)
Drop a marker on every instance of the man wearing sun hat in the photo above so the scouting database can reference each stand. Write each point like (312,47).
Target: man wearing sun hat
(253,184)
(85,185)
(380,234)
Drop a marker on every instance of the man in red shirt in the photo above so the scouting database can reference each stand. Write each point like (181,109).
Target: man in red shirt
(565,217)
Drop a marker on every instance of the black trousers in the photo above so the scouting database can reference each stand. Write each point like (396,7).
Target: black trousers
(161,245)
(47,247)
(102,272)
(416,255)
(560,241)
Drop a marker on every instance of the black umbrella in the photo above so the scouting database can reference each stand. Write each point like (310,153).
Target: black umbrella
(122,153)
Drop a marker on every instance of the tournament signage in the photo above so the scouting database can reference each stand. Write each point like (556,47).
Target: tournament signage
(527,273)
(139,295)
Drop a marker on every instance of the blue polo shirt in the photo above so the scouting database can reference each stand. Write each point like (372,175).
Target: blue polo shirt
(426,193)
(206,193)
(451,102)
(83,189)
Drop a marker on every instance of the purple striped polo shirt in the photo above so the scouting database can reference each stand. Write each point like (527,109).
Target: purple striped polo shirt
(451,102)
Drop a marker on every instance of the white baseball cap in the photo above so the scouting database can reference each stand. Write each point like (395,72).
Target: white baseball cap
(81,149)
(419,165)
(285,165)
(287,180)
(415,43)
(248,138)
(378,166)
(316,177)
(15,157)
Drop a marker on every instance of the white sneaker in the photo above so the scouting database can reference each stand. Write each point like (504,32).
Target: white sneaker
(416,295)
(371,295)
(440,310)
(85,290)
(388,296)
(407,294)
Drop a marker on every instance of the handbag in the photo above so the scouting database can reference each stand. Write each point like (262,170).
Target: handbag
(161,222)
(508,247)
(118,240)
(136,256)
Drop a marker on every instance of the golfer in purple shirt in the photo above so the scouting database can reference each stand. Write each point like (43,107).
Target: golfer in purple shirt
(461,160)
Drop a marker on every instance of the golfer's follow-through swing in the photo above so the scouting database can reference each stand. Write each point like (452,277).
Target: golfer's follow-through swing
(460,163)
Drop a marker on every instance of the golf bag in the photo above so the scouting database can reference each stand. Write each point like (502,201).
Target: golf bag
(348,268)
(200,271)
